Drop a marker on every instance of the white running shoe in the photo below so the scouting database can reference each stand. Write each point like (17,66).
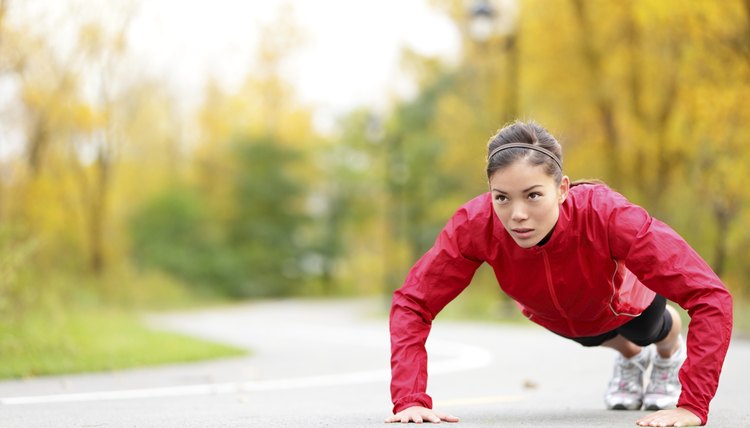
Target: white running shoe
(625,390)
(664,387)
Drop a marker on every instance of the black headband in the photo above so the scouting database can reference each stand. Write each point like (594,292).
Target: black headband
(526,146)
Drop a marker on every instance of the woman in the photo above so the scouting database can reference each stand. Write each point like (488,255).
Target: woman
(583,262)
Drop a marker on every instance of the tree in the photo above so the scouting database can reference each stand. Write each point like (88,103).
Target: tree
(173,233)
(650,96)
(267,220)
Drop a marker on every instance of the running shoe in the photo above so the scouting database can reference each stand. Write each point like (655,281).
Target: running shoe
(663,389)
(625,390)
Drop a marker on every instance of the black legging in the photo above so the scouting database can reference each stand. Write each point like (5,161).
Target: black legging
(651,326)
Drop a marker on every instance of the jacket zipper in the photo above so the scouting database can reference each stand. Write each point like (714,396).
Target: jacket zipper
(553,294)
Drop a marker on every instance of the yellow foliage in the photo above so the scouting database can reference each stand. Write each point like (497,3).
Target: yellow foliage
(649,95)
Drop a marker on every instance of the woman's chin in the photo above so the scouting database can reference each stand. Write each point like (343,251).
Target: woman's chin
(526,242)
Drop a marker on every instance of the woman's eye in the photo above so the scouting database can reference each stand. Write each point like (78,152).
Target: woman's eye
(501,198)
(534,195)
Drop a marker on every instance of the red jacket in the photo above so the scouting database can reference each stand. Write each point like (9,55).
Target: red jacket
(602,265)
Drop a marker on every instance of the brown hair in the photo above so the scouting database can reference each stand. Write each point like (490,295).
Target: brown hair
(529,133)
(586,181)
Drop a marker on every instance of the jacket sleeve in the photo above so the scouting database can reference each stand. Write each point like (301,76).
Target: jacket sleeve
(436,279)
(665,263)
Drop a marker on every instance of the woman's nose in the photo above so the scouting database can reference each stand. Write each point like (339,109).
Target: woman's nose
(518,213)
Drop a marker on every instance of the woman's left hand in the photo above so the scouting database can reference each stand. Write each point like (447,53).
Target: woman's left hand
(670,418)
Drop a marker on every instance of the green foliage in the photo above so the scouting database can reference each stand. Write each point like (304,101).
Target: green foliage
(16,252)
(173,233)
(264,229)
(413,177)
(255,251)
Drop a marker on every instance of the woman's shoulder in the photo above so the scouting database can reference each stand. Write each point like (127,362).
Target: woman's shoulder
(474,214)
(480,207)
(597,200)
(475,224)
(596,194)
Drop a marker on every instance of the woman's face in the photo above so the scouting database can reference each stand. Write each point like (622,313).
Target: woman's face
(527,201)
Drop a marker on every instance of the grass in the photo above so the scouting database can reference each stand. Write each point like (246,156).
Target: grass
(85,334)
(94,341)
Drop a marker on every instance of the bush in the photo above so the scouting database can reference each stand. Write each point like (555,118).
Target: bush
(253,251)
(172,233)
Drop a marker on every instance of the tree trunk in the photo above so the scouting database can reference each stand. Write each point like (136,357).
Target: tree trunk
(37,145)
(724,215)
(603,103)
(513,77)
(100,212)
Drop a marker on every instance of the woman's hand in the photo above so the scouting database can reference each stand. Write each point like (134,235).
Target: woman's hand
(419,414)
(670,418)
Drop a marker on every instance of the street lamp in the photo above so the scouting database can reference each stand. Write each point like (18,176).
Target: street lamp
(488,18)
(497,20)
(482,20)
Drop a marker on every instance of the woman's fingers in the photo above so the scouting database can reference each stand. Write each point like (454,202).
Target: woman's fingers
(670,418)
(419,415)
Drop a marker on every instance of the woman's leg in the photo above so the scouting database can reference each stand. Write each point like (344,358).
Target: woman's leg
(658,324)
(625,389)
(627,348)
(665,347)
(663,390)
(670,344)
(654,324)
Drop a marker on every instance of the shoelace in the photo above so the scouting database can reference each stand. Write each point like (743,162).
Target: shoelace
(629,376)
(664,373)
(661,378)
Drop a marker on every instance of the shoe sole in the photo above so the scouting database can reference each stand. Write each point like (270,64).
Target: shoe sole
(623,407)
(655,407)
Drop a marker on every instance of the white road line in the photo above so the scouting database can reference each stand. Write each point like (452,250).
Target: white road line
(204,389)
(461,357)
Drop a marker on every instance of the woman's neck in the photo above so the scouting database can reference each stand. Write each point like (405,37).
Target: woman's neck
(546,238)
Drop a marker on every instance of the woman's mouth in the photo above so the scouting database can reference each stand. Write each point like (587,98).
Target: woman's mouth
(523,233)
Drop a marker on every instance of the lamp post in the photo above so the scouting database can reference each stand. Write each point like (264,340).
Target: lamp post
(482,20)
(497,20)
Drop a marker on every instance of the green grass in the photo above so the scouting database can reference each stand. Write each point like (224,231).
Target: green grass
(93,341)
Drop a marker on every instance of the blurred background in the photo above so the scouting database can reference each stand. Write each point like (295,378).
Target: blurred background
(162,154)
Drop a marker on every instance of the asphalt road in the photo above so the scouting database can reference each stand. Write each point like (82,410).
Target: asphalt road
(325,363)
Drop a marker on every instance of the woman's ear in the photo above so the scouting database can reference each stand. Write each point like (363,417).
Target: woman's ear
(564,187)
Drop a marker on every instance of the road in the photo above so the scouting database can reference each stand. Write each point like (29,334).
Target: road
(324,363)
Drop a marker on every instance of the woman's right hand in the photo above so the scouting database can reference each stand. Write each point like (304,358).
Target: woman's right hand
(419,414)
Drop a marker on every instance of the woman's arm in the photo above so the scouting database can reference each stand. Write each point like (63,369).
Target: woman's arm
(665,263)
(436,279)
